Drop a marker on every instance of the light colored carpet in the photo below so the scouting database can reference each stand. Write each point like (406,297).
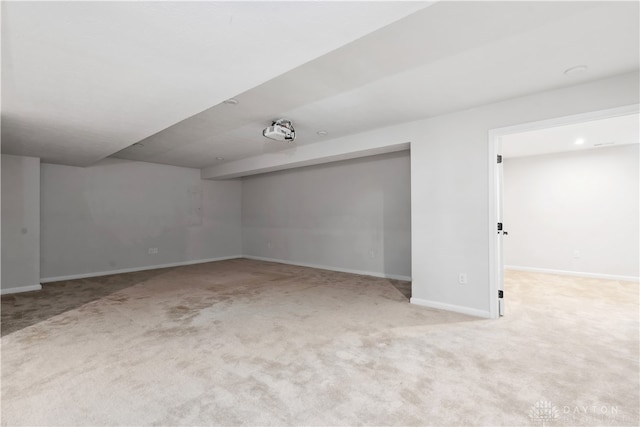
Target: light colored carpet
(252,343)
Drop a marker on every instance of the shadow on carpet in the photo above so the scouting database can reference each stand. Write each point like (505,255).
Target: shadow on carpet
(22,310)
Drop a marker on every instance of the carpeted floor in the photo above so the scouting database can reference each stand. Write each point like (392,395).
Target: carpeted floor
(245,342)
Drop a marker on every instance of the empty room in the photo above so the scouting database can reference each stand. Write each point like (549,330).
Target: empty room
(317,213)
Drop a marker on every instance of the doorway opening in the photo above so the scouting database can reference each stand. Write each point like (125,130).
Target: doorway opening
(529,145)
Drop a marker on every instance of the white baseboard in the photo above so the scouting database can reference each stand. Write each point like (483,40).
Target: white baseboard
(200,261)
(21,289)
(572,273)
(450,307)
(326,267)
(134,269)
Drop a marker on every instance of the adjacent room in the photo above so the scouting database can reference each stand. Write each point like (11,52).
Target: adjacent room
(571,213)
(571,199)
(282,213)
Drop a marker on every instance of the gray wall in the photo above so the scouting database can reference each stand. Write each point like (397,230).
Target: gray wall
(106,217)
(452,230)
(20,223)
(353,215)
(574,212)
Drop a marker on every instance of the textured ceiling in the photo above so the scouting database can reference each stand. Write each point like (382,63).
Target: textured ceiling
(426,61)
(82,80)
(610,132)
(447,57)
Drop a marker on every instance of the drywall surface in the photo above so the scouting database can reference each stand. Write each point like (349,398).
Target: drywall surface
(353,215)
(20,223)
(450,183)
(575,212)
(110,216)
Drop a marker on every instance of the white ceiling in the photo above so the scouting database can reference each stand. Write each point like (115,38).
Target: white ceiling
(604,133)
(449,56)
(82,80)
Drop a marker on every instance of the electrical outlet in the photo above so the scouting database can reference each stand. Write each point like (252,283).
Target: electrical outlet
(576,254)
(462,278)
(153,250)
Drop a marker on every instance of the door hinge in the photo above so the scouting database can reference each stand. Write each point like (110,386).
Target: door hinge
(499,158)
(500,294)
(499,226)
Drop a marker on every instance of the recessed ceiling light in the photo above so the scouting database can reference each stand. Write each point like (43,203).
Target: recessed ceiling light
(579,141)
(231,101)
(219,158)
(322,133)
(574,71)
(138,145)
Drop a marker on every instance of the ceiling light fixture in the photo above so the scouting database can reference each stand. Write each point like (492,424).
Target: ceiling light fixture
(574,71)
(322,133)
(231,101)
(219,158)
(280,130)
(579,141)
(138,145)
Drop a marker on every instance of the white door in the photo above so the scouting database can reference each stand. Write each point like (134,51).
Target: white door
(500,232)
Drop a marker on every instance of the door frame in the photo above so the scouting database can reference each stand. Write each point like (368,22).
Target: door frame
(495,190)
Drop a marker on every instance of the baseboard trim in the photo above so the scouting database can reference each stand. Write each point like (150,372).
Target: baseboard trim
(572,273)
(201,261)
(326,267)
(20,289)
(451,307)
(134,269)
